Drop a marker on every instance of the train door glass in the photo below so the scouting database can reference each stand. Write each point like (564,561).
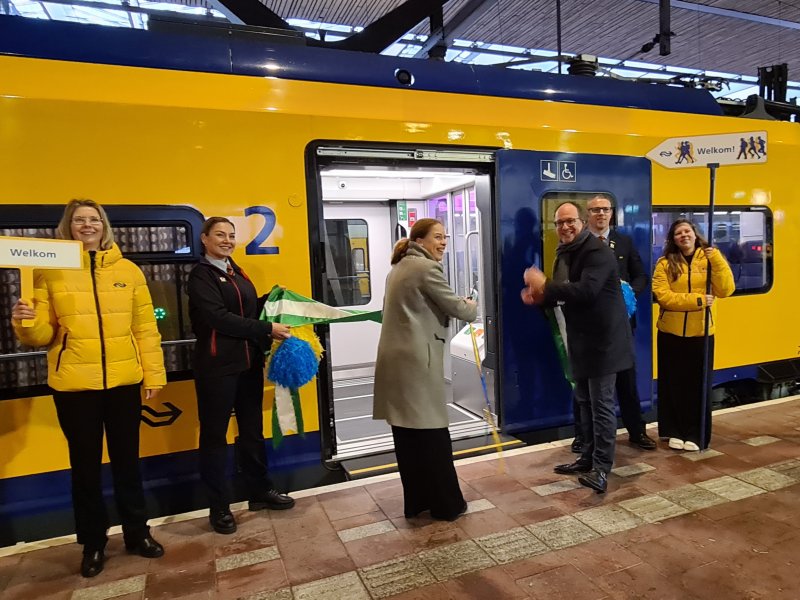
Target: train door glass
(363,208)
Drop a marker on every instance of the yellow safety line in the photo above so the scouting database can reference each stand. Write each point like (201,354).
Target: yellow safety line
(457,453)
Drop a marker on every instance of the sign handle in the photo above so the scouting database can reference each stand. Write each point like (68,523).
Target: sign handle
(26,290)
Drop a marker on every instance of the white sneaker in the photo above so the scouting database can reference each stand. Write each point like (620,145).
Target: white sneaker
(677,444)
(690,446)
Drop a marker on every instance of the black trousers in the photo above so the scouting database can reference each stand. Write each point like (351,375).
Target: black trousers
(630,406)
(425,462)
(598,420)
(681,388)
(83,417)
(216,397)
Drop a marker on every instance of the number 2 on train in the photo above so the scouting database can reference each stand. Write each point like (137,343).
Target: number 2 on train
(255,247)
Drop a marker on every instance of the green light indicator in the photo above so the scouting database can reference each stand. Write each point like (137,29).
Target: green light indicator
(160,313)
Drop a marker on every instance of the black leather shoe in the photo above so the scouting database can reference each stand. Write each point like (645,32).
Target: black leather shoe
(148,547)
(577,445)
(222,521)
(570,468)
(273,500)
(595,479)
(92,563)
(643,441)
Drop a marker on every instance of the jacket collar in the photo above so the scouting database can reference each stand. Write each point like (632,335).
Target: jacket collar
(102,258)
(237,269)
(415,249)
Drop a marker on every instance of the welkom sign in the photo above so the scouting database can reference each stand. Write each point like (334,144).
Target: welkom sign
(27,254)
(700,150)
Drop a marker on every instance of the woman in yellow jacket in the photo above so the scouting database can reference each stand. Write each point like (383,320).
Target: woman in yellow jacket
(679,286)
(102,346)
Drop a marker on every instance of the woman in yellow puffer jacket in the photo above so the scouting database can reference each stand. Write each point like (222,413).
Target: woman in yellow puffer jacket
(679,286)
(102,345)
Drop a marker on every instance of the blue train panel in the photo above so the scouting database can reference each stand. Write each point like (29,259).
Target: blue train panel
(534,391)
(232,50)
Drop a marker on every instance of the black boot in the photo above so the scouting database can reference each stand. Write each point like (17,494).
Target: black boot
(92,563)
(147,547)
(272,499)
(596,479)
(643,441)
(222,521)
(577,445)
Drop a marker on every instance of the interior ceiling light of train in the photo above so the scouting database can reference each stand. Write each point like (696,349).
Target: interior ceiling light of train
(135,14)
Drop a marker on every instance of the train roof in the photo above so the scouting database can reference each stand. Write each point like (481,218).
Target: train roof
(254,52)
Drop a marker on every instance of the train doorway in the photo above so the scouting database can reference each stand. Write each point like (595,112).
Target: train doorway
(366,200)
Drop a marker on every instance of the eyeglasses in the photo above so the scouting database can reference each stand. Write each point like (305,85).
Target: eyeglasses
(600,209)
(84,221)
(567,222)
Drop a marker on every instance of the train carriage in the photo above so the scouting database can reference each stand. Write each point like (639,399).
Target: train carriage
(323,159)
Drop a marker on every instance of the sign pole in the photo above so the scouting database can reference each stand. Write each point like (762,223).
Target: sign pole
(708,363)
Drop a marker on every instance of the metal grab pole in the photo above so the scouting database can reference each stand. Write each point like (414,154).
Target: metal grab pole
(708,363)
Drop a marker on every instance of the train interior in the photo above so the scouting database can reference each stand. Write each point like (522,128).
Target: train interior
(366,208)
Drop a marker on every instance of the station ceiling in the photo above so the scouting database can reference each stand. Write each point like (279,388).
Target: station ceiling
(734,36)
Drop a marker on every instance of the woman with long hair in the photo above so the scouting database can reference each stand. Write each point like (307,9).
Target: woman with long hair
(229,374)
(103,346)
(409,372)
(679,286)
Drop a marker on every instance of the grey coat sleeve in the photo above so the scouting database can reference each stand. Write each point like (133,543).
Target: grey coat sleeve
(435,287)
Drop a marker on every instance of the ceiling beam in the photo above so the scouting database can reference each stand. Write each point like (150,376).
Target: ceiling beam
(461,21)
(249,12)
(380,34)
(733,14)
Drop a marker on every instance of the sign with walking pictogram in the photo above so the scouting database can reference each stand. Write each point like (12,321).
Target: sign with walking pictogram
(700,150)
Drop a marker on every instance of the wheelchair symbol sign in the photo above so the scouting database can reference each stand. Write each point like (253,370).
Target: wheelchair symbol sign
(567,170)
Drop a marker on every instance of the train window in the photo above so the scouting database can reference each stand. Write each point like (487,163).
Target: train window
(743,234)
(347,262)
(163,241)
(550,202)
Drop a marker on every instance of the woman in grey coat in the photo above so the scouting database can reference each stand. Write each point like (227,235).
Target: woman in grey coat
(409,373)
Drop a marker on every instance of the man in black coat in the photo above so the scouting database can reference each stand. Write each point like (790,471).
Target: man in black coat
(631,270)
(586,285)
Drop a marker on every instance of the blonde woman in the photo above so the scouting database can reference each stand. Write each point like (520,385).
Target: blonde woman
(103,346)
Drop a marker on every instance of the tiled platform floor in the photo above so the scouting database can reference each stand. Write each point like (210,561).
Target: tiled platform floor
(722,525)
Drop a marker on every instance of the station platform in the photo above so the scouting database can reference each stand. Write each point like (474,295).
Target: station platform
(719,524)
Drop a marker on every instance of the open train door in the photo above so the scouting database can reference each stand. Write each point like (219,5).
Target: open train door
(529,186)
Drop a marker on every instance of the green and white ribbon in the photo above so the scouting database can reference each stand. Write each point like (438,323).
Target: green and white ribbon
(289,308)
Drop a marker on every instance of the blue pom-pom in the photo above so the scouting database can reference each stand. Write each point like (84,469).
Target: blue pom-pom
(293,364)
(630,298)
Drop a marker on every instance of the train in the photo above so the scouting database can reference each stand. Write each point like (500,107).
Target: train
(323,159)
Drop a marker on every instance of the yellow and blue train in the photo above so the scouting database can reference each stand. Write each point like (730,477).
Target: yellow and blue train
(322,158)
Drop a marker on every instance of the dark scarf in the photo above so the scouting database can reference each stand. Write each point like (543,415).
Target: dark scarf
(564,256)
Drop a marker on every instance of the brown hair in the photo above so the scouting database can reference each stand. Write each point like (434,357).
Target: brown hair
(64,228)
(420,229)
(673,254)
(208,225)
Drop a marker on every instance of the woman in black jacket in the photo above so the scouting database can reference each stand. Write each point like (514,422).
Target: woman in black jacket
(229,373)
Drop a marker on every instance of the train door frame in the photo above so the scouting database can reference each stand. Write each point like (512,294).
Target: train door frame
(326,153)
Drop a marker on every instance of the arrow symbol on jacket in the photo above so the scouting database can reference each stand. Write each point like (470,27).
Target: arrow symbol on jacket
(163,418)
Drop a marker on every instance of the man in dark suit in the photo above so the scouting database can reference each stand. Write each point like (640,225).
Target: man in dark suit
(586,285)
(631,270)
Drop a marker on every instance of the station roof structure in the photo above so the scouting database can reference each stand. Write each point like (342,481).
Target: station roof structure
(717,44)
